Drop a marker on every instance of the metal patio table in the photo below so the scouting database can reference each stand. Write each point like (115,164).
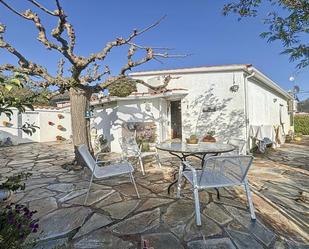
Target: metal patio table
(201,150)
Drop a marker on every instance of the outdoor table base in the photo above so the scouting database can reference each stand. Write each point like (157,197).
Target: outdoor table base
(183,157)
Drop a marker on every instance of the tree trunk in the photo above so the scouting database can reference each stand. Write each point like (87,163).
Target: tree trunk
(80,100)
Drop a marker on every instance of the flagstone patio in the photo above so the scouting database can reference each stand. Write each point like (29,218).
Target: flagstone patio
(115,218)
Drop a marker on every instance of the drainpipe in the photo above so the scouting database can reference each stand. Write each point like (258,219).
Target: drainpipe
(246,106)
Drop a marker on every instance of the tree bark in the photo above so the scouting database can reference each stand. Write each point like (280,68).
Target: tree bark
(80,100)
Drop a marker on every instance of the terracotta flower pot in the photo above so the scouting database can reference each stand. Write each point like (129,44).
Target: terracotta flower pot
(6,123)
(60,138)
(191,140)
(60,127)
(209,139)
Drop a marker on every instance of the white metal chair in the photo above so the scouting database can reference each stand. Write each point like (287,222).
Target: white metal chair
(218,171)
(239,145)
(130,148)
(118,168)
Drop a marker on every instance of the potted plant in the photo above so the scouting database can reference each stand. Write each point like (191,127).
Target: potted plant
(6,124)
(51,123)
(60,127)
(192,139)
(209,138)
(60,116)
(146,137)
(298,137)
(289,137)
(60,138)
(16,223)
(12,184)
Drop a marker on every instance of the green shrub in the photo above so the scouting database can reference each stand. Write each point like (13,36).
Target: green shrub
(301,124)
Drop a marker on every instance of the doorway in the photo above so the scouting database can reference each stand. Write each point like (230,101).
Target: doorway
(176,123)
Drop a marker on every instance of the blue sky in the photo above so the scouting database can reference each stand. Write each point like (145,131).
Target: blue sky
(194,27)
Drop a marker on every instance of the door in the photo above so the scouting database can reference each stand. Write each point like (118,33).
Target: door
(176,124)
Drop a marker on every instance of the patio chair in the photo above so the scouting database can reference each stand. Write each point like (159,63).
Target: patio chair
(239,144)
(218,171)
(130,148)
(118,168)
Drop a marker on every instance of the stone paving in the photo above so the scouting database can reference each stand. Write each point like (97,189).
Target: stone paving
(115,218)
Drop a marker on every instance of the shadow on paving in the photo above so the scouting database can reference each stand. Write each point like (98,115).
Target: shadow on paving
(281,176)
(115,218)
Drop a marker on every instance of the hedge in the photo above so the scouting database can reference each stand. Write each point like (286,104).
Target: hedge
(301,124)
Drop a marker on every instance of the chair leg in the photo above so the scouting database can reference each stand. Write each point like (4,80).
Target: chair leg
(158,160)
(133,181)
(197,207)
(85,202)
(142,164)
(249,197)
(179,180)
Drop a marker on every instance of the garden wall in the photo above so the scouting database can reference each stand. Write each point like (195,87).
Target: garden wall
(53,122)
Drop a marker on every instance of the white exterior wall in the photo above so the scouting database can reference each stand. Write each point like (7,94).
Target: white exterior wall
(11,131)
(31,117)
(48,132)
(109,120)
(264,106)
(252,104)
(40,117)
(105,122)
(211,89)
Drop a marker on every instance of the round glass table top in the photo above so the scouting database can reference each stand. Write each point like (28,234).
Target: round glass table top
(200,148)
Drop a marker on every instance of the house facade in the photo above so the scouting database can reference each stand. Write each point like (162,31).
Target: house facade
(226,100)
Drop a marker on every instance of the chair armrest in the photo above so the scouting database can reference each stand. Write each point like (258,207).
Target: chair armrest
(186,164)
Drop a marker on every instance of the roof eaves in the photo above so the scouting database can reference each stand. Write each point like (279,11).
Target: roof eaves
(142,96)
(232,67)
(269,83)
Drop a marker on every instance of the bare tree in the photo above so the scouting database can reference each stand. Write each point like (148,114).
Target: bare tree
(85,76)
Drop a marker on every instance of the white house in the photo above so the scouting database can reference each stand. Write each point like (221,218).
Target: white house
(228,100)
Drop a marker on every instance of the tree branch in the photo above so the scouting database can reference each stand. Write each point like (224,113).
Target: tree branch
(40,6)
(166,81)
(150,54)
(22,61)
(121,41)
(26,67)
(93,75)
(66,47)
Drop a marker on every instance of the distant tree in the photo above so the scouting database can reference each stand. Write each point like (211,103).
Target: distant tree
(290,26)
(304,106)
(26,93)
(8,99)
(84,75)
